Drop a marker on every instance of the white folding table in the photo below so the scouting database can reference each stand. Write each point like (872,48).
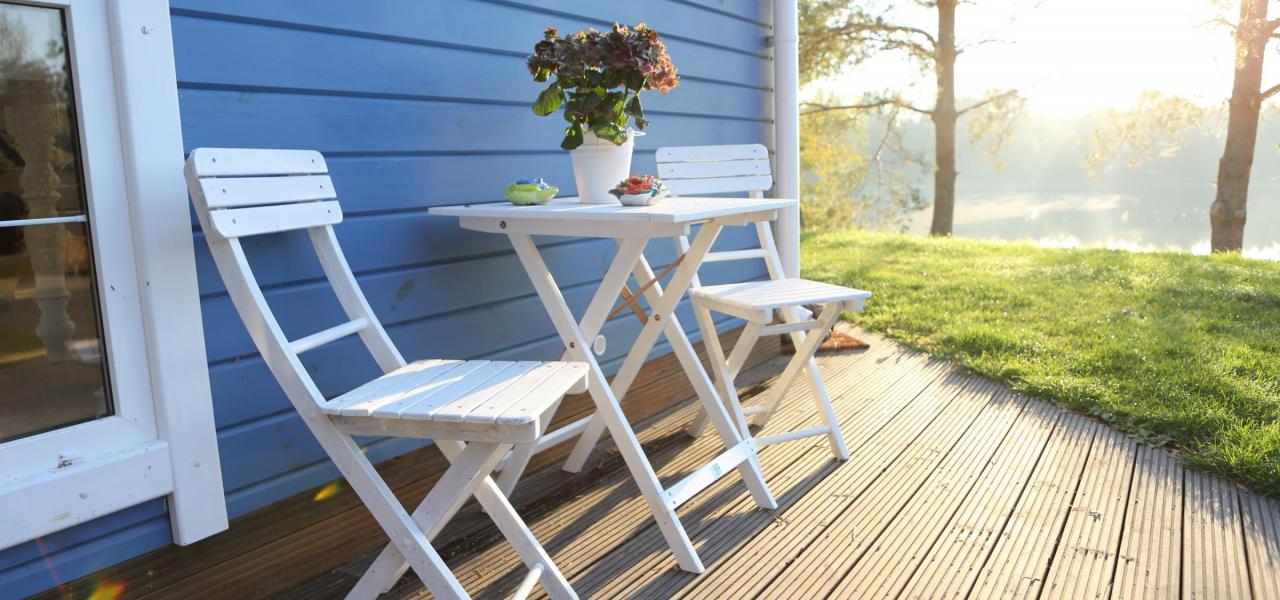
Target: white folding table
(632,228)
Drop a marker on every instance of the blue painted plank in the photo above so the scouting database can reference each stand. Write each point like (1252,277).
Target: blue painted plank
(674,20)
(101,552)
(257,451)
(759,13)
(309,476)
(489,26)
(375,125)
(399,295)
(309,467)
(402,239)
(244,390)
(61,541)
(332,63)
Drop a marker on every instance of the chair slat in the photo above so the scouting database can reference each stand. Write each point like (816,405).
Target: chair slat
(244,162)
(234,192)
(321,338)
(712,153)
(718,185)
(728,255)
(462,408)
(727,168)
(525,387)
(559,383)
(242,222)
(411,379)
(491,375)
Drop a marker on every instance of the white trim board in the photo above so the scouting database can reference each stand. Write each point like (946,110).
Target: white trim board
(161,442)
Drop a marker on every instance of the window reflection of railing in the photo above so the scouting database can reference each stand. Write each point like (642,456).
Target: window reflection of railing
(31,117)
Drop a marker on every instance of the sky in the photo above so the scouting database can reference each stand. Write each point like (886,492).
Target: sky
(1070,57)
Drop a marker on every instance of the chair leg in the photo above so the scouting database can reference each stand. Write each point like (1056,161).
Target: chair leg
(823,402)
(737,358)
(727,417)
(468,469)
(804,352)
(468,476)
(408,540)
(516,463)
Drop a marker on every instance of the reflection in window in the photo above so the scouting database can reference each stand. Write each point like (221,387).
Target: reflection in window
(52,367)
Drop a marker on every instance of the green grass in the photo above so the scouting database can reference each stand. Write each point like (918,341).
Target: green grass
(1178,350)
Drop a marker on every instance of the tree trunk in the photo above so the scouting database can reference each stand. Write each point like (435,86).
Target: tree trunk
(1227,214)
(944,121)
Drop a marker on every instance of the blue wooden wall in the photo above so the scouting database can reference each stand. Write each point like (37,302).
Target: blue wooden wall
(415,104)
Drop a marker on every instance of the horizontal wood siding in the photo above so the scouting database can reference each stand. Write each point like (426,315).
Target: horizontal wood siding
(414,104)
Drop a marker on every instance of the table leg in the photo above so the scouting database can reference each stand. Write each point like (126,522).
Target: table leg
(662,307)
(629,251)
(732,426)
(607,406)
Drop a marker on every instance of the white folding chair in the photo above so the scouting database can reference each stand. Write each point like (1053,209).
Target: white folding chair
(692,170)
(475,411)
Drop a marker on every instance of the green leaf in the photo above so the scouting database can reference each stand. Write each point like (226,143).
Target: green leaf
(590,100)
(548,101)
(612,78)
(633,108)
(609,131)
(617,100)
(635,80)
(572,137)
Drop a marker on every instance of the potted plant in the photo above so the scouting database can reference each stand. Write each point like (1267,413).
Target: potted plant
(596,78)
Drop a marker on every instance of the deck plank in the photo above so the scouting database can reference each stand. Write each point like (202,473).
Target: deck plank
(949,568)
(1020,560)
(1213,552)
(956,488)
(793,470)
(884,569)
(612,514)
(1262,541)
(817,569)
(764,558)
(1086,557)
(1150,561)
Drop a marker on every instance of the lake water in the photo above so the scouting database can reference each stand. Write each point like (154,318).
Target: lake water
(1151,217)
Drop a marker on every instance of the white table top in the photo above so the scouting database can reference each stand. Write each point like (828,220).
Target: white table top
(675,210)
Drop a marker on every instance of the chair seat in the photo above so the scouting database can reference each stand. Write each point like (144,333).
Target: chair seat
(756,300)
(455,399)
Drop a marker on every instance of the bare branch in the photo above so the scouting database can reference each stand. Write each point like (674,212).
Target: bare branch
(813,107)
(996,98)
(1271,91)
(962,48)
(1222,21)
(1271,27)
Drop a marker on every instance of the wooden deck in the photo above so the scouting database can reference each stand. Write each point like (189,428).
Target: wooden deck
(956,487)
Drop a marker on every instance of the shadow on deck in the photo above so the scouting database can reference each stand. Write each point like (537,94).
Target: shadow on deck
(956,487)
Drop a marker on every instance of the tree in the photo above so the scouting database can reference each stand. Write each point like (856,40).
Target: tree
(835,34)
(1157,126)
(1227,213)
(846,181)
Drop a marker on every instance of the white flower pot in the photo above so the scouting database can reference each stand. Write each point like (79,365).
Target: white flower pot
(598,165)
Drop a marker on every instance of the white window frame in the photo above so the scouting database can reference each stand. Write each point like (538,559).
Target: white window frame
(161,440)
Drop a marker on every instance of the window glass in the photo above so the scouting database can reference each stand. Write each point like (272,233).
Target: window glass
(52,362)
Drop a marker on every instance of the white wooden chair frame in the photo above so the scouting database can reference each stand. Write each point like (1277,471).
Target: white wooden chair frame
(745,169)
(241,193)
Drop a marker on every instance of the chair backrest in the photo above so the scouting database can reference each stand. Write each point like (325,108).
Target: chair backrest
(239,193)
(690,170)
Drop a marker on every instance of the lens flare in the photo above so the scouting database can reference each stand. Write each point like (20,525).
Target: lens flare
(107,590)
(328,491)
